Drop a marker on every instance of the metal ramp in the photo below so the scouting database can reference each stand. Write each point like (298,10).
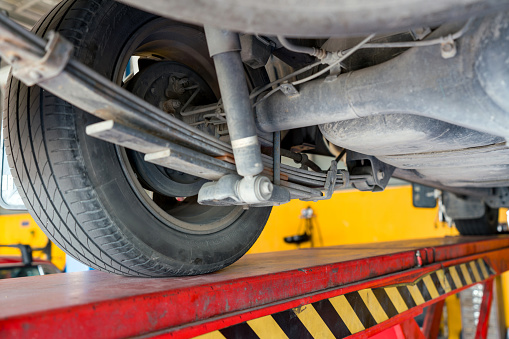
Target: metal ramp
(330,292)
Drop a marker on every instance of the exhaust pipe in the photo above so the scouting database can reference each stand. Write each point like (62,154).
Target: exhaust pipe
(470,89)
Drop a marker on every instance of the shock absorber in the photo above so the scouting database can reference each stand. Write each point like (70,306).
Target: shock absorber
(224,47)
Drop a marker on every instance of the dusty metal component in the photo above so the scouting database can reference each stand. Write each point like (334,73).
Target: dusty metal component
(302,18)
(402,136)
(30,68)
(138,125)
(177,85)
(448,50)
(391,87)
(276,167)
(180,146)
(462,207)
(413,176)
(161,152)
(420,33)
(499,198)
(235,190)
(254,189)
(313,51)
(330,183)
(224,48)
(170,105)
(367,173)
(334,60)
(289,90)
(221,192)
(147,143)
(124,136)
(193,165)
(435,150)
(254,53)
(221,41)
(302,159)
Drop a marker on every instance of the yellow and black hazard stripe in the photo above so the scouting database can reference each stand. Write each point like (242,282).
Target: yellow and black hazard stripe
(354,312)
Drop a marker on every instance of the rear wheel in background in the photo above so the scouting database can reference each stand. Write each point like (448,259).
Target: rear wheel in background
(485,225)
(101,203)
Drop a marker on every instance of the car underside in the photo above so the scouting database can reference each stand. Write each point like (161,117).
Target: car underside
(153,140)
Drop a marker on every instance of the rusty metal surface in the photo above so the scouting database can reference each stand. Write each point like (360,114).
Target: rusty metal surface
(114,306)
(30,68)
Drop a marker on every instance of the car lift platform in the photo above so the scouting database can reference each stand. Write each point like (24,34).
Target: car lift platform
(330,292)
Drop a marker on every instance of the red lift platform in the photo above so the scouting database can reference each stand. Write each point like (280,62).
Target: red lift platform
(331,292)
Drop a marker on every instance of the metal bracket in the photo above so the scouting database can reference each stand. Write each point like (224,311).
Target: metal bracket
(330,183)
(345,177)
(32,69)
(367,173)
(500,198)
(289,90)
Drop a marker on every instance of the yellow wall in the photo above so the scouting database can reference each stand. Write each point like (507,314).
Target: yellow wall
(22,229)
(355,217)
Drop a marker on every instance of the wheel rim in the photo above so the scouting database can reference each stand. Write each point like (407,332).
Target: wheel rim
(183,45)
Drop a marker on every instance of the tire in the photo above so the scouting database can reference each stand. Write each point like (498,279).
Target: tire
(485,225)
(83,192)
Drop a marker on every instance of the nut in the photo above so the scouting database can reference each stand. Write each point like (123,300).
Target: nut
(448,50)
(170,105)
(35,75)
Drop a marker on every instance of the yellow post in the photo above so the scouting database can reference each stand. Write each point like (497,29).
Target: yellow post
(453,316)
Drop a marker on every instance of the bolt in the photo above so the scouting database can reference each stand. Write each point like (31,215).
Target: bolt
(448,50)
(380,175)
(35,75)
(266,188)
(447,47)
(178,85)
(183,82)
(170,105)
